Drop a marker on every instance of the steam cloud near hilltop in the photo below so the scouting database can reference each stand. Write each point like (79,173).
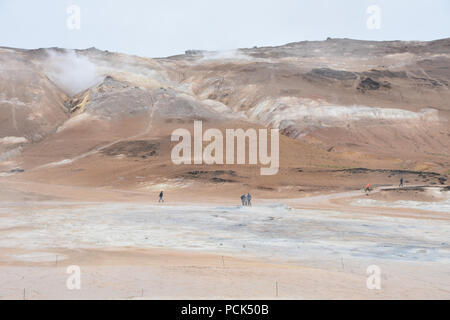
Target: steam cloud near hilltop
(71,72)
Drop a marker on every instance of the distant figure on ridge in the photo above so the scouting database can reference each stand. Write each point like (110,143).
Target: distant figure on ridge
(367,188)
(161,197)
(401,183)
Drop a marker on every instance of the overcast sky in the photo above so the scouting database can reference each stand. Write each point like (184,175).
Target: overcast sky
(162,28)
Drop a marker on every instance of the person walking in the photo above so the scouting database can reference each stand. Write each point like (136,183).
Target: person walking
(161,197)
(367,189)
(401,183)
(249,199)
(244,200)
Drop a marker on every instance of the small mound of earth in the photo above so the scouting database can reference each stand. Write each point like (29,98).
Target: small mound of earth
(370,84)
(423,194)
(426,178)
(133,149)
(332,74)
(216,176)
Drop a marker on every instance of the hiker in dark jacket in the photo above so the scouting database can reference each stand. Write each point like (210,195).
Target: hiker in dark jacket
(249,199)
(244,200)
(161,195)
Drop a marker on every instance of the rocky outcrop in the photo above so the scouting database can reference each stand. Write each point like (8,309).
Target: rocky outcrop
(367,84)
(332,74)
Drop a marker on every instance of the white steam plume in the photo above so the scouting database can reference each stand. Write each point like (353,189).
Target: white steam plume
(71,72)
(225,55)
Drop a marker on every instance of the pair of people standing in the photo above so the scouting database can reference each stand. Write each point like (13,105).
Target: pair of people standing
(246,200)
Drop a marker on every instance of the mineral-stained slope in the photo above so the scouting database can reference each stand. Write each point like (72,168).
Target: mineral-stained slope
(31,106)
(98,118)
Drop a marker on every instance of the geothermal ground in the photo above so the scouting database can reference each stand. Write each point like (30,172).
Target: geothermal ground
(85,148)
(310,248)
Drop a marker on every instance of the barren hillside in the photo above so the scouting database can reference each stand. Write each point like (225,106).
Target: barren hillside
(350,112)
